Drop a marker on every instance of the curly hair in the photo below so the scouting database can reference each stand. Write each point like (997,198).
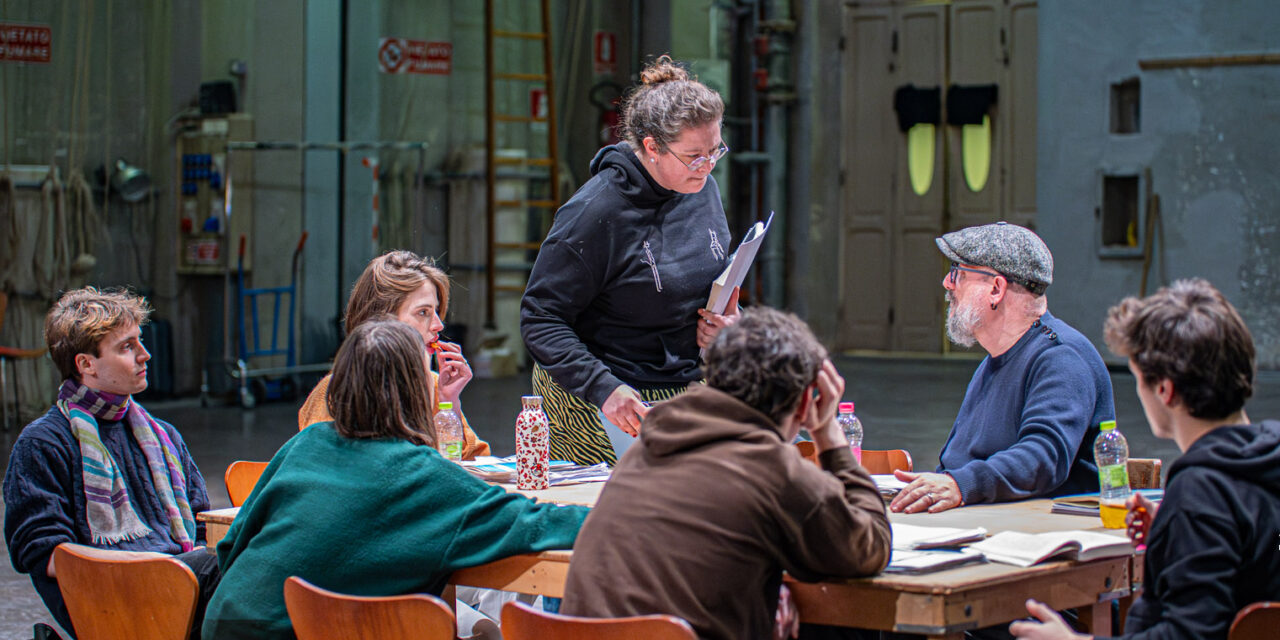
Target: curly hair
(1189,334)
(666,103)
(380,387)
(386,283)
(81,318)
(765,359)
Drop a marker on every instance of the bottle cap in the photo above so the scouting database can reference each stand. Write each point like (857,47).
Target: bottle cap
(845,407)
(1107,425)
(446,405)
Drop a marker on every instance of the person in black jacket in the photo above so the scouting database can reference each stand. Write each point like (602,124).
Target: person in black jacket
(613,313)
(1213,545)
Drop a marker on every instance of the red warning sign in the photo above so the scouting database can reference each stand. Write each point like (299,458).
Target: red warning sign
(538,104)
(401,55)
(606,53)
(25,42)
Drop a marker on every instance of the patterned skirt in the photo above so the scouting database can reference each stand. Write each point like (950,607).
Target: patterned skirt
(576,432)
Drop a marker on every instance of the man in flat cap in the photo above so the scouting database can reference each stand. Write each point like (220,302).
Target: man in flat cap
(1033,407)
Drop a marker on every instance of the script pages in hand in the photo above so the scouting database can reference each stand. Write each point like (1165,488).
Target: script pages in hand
(739,263)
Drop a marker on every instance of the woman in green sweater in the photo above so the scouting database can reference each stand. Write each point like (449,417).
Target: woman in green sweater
(365,504)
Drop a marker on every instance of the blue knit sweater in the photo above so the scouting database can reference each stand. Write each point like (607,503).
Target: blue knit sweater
(44,502)
(1029,417)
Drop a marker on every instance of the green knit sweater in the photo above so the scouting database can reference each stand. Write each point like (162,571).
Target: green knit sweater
(366,517)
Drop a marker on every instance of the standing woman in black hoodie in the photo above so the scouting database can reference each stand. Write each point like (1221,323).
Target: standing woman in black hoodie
(613,313)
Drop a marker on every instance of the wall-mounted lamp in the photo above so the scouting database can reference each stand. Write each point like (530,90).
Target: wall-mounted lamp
(129,182)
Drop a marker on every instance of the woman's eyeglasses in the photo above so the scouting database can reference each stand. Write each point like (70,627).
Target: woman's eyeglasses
(701,161)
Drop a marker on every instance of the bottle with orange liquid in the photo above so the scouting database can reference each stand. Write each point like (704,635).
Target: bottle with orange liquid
(1111,452)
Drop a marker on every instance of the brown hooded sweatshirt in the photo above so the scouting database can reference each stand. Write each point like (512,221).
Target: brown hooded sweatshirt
(702,518)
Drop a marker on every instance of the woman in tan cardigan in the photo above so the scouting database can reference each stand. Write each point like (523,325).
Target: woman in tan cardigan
(416,292)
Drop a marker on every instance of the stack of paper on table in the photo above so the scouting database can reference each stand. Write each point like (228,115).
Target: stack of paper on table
(916,549)
(503,470)
(910,536)
(929,561)
(888,484)
(1086,504)
(1026,549)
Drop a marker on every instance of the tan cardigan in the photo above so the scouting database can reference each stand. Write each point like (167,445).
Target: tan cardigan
(316,410)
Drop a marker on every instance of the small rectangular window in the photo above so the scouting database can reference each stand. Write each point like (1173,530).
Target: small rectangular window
(1126,108)
(1120,223)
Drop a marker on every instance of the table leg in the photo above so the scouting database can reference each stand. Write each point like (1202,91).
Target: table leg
(1096,619)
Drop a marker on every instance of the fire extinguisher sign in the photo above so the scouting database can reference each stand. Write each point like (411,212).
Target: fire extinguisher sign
(538,104)
(401,55)
(606,53)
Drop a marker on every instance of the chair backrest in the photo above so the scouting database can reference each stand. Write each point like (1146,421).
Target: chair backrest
(241,477)
(1257,621)
(124,594)
(879,461)
(522,622)
(886,460)
(808,450)
(320,614)
(1144,473)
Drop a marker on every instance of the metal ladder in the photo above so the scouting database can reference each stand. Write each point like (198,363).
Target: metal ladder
(533,168)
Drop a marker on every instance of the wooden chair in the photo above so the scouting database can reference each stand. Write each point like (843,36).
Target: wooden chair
(241,476)
(125,594)
(1257,621)
(320,614)
(1144,473)
(522,622)
(7,356)
(878,461)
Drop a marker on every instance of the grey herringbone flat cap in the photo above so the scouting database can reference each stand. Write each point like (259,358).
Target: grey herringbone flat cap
(1016,252)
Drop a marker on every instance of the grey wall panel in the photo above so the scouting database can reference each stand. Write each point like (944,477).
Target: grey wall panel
(1207,134)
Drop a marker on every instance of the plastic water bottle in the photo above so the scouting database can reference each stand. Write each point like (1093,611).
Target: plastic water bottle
(852,428)
(449,432)
(533,441)
(1111,452)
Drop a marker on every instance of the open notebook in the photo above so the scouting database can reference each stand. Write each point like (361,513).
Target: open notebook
(1026,549)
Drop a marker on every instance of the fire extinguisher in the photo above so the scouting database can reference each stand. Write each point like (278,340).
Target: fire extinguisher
(606,95)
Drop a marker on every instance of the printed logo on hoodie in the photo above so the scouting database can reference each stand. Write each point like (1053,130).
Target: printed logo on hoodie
(653,266)
(716,249)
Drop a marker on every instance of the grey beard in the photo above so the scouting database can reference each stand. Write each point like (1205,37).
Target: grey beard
(962,319)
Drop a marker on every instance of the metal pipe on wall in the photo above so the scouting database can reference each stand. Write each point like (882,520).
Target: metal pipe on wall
(778,28)
(797,248)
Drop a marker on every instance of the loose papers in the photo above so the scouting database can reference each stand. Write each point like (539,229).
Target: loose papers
(918,549)
(503,471)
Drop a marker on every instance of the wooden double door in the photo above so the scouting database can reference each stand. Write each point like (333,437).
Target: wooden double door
(901,189)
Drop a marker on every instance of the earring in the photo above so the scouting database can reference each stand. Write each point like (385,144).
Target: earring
(653,160)
(993,306)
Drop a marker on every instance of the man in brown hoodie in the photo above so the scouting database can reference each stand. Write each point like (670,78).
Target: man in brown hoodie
(702,518)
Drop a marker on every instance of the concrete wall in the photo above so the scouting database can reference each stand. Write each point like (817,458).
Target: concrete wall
(1208,135)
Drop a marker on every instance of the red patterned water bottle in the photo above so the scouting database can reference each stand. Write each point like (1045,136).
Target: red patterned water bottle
(533,443)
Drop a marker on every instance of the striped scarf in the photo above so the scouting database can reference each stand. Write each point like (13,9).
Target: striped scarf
(111,516)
